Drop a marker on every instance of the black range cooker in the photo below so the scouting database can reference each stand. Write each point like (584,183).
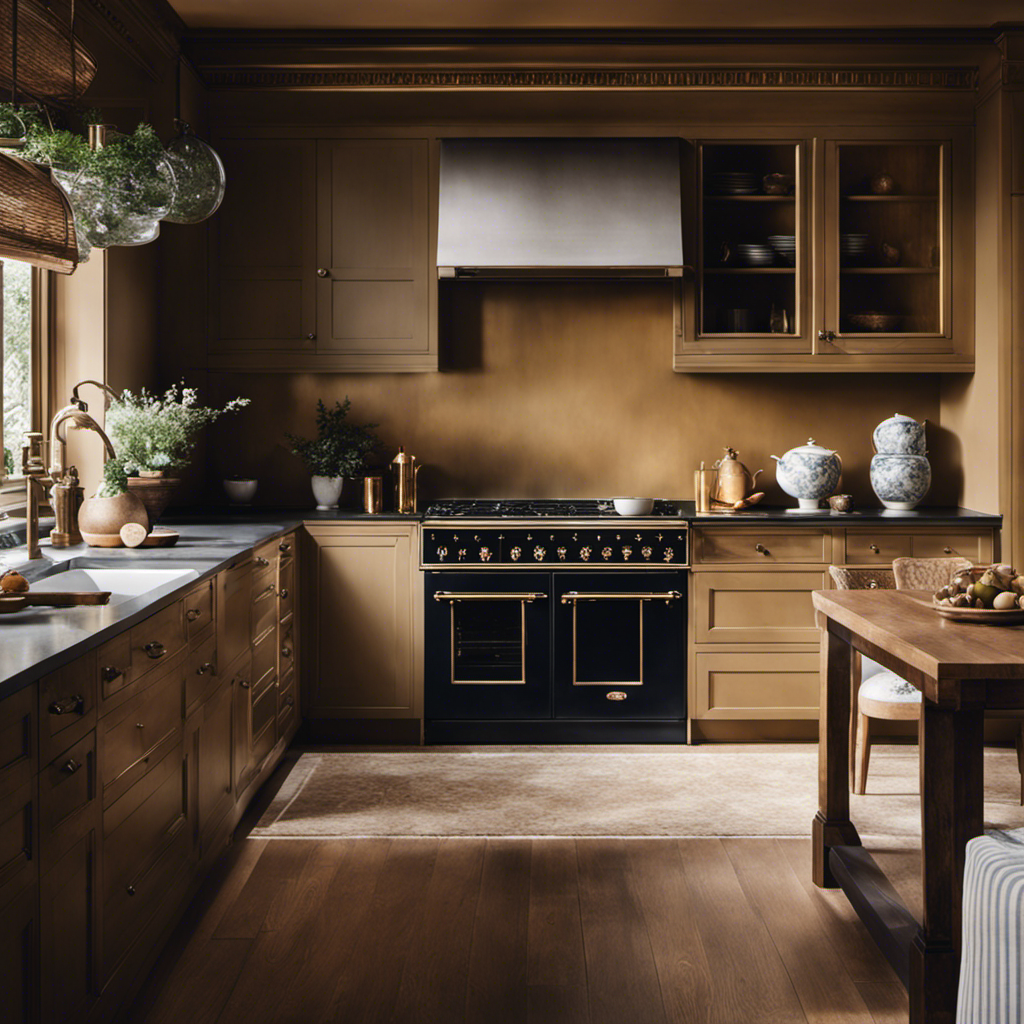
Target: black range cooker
(554,622)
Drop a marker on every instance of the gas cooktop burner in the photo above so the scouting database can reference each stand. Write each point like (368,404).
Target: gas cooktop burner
(508,508)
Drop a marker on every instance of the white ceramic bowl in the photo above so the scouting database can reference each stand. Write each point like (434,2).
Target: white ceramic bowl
(633,506)
(241,492)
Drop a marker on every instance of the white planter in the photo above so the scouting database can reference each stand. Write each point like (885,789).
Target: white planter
(327,491)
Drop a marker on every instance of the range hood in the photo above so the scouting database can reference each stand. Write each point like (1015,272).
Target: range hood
(559,207)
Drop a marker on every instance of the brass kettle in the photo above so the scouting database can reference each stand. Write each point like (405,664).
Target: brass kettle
(733,481)
(405,471)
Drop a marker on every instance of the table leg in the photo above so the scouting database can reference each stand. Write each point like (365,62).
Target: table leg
(952,802)
(832,825)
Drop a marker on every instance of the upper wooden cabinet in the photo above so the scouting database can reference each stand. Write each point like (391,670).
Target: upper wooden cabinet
(832,252)
(322,253)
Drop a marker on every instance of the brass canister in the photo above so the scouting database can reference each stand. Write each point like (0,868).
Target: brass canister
(702,488)
(373,494)
(405,472)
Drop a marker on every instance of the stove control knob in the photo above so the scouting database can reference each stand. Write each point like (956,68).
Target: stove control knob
(462,554)
(646,552)
(442,554)
(584,554)
(626,552)
(669,554)
(485,554)
(561,554)
(606,553)
(516,552)
(539,553)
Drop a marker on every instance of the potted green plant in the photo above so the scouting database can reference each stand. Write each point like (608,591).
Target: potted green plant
(339,451)
(153,435)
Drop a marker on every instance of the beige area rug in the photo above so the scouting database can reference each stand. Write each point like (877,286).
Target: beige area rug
(712,790)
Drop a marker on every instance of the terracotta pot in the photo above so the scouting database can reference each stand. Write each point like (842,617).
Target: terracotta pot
(155,490)
(100,519)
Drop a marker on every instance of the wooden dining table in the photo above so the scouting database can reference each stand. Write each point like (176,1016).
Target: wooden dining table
(962,670)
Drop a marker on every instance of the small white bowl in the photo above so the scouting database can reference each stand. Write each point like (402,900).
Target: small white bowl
(241,492)
(633,506)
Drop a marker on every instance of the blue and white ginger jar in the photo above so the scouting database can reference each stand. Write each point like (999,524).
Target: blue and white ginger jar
(809,473)
(900,481)
(900,435)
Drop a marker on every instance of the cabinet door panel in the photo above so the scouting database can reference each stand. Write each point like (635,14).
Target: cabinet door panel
(756,607)
(765,685)
(214,784)
(372,314)
(19,930)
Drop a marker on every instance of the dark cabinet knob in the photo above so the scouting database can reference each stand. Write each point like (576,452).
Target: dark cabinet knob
(826,335)
(761,550)
(71,766)
(286,652)
(311,336)
(948,551)
(290,701)
(285,546)
(322,272)
(204,668)
(192,614)
(874,548)
(262,562)
(244,684)
(67,706)
(284,593)
(130,889)
(109,673)
(155,649)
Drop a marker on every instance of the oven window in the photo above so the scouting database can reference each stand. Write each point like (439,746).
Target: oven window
(488,641)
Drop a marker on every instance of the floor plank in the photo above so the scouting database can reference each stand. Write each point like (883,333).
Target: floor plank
(614,930)
(434,980)
(861,956)
(749,981)
(367,985)
(887,1001)
(556,972)
(496,984)
(684,975)
(827,993)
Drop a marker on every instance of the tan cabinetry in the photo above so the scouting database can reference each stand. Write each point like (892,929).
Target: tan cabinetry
(337,278)
(365,600)
(833,251)
(753,638)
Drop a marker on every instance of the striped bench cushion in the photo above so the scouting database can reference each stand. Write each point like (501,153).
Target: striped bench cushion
(992,966)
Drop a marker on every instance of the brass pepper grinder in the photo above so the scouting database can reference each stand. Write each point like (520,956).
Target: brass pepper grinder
(67,498)
(405,471)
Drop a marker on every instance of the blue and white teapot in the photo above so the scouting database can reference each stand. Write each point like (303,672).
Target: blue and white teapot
(809,473)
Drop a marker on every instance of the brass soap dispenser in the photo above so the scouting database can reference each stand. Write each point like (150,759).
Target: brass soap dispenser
(405,471)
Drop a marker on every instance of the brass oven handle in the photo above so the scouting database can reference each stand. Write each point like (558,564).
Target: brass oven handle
(573,595)
(444,595)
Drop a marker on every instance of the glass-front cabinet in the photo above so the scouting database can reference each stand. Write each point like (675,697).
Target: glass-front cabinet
(831,253)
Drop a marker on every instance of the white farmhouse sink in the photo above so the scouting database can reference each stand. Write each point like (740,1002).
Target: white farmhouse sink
(123,584)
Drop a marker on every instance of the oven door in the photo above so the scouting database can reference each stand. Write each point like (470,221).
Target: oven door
(487,645)
(620,645)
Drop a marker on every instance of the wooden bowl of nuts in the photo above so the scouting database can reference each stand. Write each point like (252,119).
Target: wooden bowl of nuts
(992,596)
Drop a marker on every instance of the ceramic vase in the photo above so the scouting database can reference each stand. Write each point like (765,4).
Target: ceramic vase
(327,491)
(100,519)
(900,435)
(900,481)
(154,490)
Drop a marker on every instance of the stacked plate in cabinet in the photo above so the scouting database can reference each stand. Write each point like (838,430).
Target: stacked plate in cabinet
(852,247)
(733,183)
(785,247)
(755,255)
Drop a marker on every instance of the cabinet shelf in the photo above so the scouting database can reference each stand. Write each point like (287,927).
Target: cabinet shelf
(892,199)
(749,199)
(749,270)
(889,270)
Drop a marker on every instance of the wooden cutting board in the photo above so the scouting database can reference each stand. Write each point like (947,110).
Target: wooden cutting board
(55,599)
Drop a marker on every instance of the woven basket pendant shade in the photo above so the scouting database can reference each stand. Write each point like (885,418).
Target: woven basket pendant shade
(44,52)
(36,223)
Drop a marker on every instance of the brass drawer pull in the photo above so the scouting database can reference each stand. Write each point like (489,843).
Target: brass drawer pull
(262,562)
(874,548)
(322,272)
(68,706)
(444,595)
(204,668)
(244,684)
(284,546)
(615,695)
(192,614)
(265,592)
(670,595)
(155,649)
(109,673)
(948,551)
(761,550)
(71,766)
(284,594)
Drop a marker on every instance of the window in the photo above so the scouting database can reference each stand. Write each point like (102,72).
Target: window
(21,358)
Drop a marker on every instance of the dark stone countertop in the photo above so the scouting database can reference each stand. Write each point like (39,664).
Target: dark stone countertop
(777,515)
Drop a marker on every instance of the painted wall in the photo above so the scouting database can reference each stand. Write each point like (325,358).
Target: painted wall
(554,389)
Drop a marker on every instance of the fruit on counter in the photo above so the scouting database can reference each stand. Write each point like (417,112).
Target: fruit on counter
(999,586)
(12,582)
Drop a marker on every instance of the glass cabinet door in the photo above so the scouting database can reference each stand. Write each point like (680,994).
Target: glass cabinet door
(887,253)
(752,247)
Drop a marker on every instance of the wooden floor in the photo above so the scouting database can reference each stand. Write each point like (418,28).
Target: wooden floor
(503,931)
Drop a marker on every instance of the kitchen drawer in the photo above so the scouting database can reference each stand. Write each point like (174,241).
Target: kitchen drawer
(234,608)
(17,741)
(761,547)
(756,607)
(134,737)
(975,546)
(160,637)
(286,546)
(264,607)
(287,704)
(67,788)
(201,676)
(876,547)
(114,665)
(199,610)
(264,564)
(67,706)
(286,588)
(286,663)
(18,842)
(264,659)
(141,858)
(765,685)
(264,710)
